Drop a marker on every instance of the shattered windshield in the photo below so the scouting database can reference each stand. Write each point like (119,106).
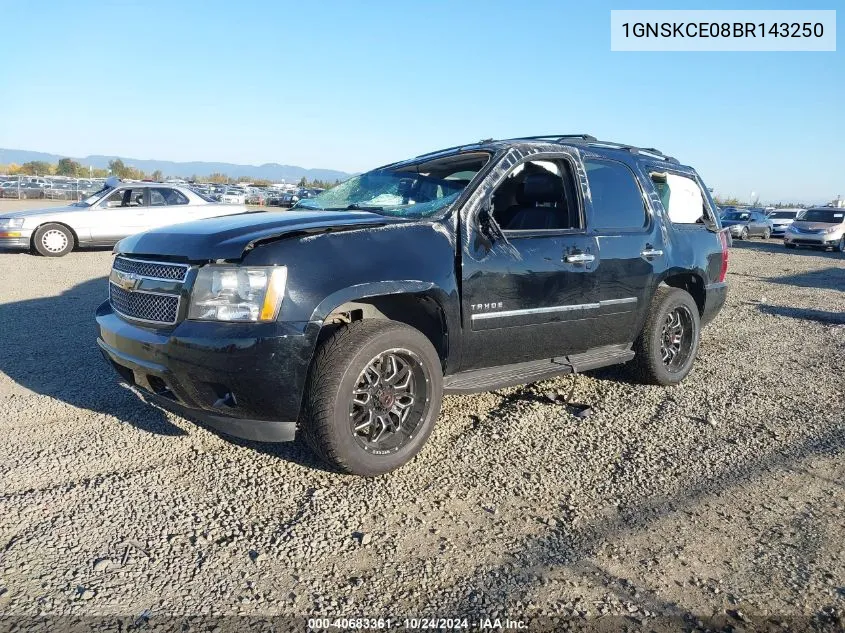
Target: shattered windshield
(404,190)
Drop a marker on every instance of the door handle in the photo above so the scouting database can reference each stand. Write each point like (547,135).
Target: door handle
(648,253)
(579,258)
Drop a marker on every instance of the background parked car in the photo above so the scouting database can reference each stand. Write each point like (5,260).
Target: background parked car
(745,224)
(820,227)
(782,218)
(116,211)
(233,195)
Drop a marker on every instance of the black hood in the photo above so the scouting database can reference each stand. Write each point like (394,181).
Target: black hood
(228,237)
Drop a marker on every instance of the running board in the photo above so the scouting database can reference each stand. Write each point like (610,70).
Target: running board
(489,378)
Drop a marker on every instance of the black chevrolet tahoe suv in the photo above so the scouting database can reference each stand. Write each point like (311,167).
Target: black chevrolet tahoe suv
(346,319)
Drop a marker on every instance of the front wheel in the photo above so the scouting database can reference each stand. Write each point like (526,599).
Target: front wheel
(53,240)
(373,396)
(767,233)
(743,235)
(668,343)
(841,246)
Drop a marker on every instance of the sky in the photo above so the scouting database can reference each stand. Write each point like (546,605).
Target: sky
(353,85)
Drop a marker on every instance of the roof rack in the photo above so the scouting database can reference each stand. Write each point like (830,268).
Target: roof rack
(556,137)
(592,140)
(655,153)
(586,139)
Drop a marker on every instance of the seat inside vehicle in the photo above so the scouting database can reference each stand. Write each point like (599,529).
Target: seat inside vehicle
(537,195)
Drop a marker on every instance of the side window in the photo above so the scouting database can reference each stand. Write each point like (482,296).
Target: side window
(681,197)
(617,200)
(537,195)
(125,198)
(164,196)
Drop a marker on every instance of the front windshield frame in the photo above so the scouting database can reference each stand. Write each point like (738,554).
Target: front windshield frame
(95,197)
(783,215)
(387,194)
(737,216)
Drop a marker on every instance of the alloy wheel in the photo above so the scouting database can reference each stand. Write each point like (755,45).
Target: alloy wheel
(676,338)
(388,402)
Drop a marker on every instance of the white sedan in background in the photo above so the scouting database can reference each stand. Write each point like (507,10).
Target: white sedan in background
(116,211)
(233,196)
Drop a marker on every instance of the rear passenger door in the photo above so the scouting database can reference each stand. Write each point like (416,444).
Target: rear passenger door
(631,248)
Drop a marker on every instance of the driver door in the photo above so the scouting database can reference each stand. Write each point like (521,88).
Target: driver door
(123,212)
(525,270)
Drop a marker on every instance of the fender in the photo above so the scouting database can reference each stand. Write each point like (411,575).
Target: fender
(369,289)
(394,287)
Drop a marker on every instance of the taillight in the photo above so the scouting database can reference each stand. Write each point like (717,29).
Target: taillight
(723,240)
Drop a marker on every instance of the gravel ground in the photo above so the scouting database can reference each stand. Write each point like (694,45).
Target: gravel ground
(722,497)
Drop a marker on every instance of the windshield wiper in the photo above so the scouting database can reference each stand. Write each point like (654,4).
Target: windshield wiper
(358,207)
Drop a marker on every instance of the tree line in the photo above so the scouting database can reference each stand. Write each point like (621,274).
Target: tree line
(732,201)
(74,169)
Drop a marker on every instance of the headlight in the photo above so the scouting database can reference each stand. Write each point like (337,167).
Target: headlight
(238,293)
(11,223)
(833,229)
(791,229)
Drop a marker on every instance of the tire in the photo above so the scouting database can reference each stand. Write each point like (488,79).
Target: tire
(767,234)
(743,234)
(53,240)
(789,245)
(841,245)
(351,434)
(649,364)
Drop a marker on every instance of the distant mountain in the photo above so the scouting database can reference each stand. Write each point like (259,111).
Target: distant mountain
(267,171)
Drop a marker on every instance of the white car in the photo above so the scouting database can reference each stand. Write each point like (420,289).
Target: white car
(782,219)
(116,211)
(233,196)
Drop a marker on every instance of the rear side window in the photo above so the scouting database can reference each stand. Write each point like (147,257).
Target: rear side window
(165,197)
(681,196)
(617,200)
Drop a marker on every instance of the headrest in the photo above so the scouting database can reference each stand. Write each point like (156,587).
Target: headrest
(541,187)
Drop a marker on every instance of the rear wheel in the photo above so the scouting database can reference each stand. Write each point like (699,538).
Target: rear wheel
(668,343)
(373,396)
(53,240)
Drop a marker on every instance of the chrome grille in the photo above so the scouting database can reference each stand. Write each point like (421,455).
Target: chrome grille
(144,306)
(152,270)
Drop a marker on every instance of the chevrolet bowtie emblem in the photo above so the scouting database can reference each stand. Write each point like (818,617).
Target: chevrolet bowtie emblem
(127,281)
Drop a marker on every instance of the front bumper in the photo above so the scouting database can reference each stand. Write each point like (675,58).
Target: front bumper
(242,379)
(15,238)
(812,239)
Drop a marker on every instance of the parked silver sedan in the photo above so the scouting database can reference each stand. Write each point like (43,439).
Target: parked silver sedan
(117,210)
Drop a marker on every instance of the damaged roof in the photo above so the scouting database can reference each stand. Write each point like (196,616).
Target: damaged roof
(577,140)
